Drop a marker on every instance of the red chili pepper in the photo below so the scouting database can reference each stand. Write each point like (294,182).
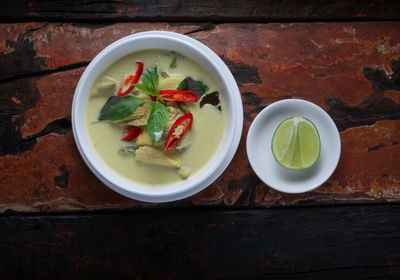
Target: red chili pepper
(177,95)
(132,79)
(133,132)
(172,140)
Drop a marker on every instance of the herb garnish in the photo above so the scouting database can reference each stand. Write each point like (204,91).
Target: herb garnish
(174,62)
(159,116)
(150,81)
(118,108)
(164,74)
(198,87)
(157,120)
(175,59)
(128,149)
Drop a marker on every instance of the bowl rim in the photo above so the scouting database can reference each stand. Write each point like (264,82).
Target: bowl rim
(199,180)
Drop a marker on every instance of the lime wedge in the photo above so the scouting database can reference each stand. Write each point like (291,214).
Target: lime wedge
(296,143)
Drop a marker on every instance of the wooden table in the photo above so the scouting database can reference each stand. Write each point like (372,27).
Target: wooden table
(58,221)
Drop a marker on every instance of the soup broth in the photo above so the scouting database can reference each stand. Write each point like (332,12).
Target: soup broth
(206,129)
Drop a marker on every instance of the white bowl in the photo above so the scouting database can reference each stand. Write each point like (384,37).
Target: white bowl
(212,64)
(260,155)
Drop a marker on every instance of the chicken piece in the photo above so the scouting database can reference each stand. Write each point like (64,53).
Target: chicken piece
(143,96)
(144,139)
(185,141)
(184,172)
(106,86)
(137,114)
(171,82)
(174,114)
(153,155)
(142,119)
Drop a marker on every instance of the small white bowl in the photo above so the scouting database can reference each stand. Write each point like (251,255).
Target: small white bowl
(260,154)
(212,64)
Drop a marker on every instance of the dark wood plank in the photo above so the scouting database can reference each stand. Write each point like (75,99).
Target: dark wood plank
(203,11)
(358,242)
(352,70)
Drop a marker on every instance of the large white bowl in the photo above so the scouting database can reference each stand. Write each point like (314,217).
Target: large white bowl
(212,64)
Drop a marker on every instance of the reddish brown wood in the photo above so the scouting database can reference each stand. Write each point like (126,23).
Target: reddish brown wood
(30,48)
(349,69)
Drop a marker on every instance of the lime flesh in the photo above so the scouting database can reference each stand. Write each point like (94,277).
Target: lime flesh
(296,143)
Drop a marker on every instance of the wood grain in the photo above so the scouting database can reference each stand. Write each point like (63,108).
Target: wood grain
(356,242)
(349,69)
(201,11)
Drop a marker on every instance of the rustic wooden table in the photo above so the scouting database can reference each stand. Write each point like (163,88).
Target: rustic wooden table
(58,221)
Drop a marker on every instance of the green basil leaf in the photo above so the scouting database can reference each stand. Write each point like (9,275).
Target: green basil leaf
(146,78)
(175,59)
(203,86)
(150,79)
(128,149)
(197,87)
(174,62)
(157,120)
(118,108)
(164,74)
(154,77)
(145,89)
(181,84)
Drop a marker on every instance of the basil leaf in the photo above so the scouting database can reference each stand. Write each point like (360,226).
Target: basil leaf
(157,120)
(174,62)
(154,78)
(197,87)
(146,78)
(164,74)
(150,79)
(118,108)
(203,86)
(145,89)
(128,149)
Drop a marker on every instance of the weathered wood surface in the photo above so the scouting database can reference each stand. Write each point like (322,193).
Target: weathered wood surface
(201,11)
(287,243)
(352,70)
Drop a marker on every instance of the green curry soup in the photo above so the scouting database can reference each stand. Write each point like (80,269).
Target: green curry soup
(171,117)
